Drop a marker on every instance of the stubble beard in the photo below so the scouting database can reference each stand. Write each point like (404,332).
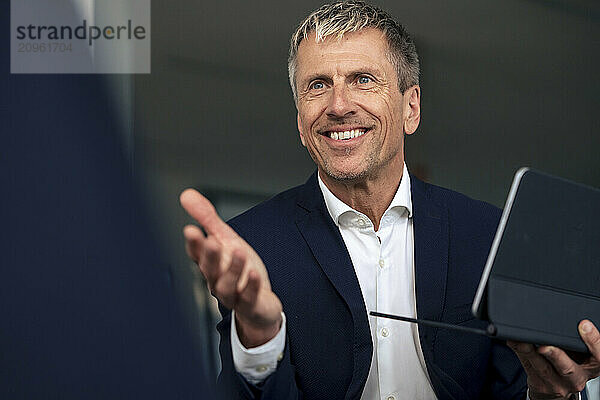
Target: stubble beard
(372,168)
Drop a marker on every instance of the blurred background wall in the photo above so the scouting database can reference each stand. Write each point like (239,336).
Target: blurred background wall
(504,84)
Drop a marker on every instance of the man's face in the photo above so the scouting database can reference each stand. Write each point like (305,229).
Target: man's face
(348,87)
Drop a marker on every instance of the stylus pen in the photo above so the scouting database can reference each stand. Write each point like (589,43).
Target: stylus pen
(491,331)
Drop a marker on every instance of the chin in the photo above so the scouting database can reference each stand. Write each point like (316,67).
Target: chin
(345,175)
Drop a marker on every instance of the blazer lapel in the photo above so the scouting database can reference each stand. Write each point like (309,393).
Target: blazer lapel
(431,232)
(326,243)
(431,251)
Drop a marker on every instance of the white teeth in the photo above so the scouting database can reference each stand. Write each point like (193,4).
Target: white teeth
(346,134)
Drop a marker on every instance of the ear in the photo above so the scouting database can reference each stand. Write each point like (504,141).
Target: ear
(412,109)
(300,130)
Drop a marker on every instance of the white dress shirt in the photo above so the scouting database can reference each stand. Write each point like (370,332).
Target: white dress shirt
(384,264)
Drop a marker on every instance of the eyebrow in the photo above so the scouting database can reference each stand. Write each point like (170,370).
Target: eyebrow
(317,76)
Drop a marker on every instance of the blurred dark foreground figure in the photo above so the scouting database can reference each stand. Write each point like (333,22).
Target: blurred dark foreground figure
(88,309)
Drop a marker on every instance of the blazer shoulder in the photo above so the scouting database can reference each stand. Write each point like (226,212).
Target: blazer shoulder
(277,210)
(462,207)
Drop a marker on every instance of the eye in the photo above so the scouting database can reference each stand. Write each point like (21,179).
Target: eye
(317,85)
(364,79)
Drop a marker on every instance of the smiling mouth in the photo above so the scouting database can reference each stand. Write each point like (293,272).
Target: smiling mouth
(345,135)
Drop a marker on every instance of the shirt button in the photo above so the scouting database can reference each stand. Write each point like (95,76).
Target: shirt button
(385,333)
(280,357)
(391,398)
(381,263)
(361,222)
(261,368)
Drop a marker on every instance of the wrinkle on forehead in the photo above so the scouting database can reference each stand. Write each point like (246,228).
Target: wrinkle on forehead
(366,50)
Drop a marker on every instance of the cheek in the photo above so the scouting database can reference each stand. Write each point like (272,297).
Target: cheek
(303,126)
(311,110)
(304,120)
(384,110)
(306,136)
(393,112)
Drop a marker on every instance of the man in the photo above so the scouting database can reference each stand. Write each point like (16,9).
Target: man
(361,235)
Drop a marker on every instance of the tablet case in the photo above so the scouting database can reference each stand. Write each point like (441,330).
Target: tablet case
(543,271)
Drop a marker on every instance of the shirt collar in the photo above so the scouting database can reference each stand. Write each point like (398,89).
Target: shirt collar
(338,208)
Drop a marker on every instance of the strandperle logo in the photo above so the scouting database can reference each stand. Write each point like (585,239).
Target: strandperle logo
(82,32)
(80,36)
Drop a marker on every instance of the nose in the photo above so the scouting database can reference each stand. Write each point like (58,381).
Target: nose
(340,104)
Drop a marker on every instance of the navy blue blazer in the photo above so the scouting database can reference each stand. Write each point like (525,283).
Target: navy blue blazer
(328,347)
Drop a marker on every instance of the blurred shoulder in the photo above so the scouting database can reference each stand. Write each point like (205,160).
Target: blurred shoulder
(461,208)
(271,214)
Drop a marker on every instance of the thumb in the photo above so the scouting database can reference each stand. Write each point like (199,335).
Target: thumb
(202,210)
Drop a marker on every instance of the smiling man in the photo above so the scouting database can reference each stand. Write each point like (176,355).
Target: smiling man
(353,114)
(297,274)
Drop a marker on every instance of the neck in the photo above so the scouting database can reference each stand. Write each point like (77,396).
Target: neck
(371,196)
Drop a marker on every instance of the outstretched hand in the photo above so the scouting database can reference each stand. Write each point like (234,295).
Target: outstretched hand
(552,374)
(235,274)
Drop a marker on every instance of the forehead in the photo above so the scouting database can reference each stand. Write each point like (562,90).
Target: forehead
(367,48)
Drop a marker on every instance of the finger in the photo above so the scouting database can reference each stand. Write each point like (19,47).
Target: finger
(573,375)
(590,335)
(226,286)
(239,257)
(202,210)
(210,264)
(251,289)
(535,364)
(193,242)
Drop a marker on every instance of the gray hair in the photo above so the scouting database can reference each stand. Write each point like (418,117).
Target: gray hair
(341,17)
